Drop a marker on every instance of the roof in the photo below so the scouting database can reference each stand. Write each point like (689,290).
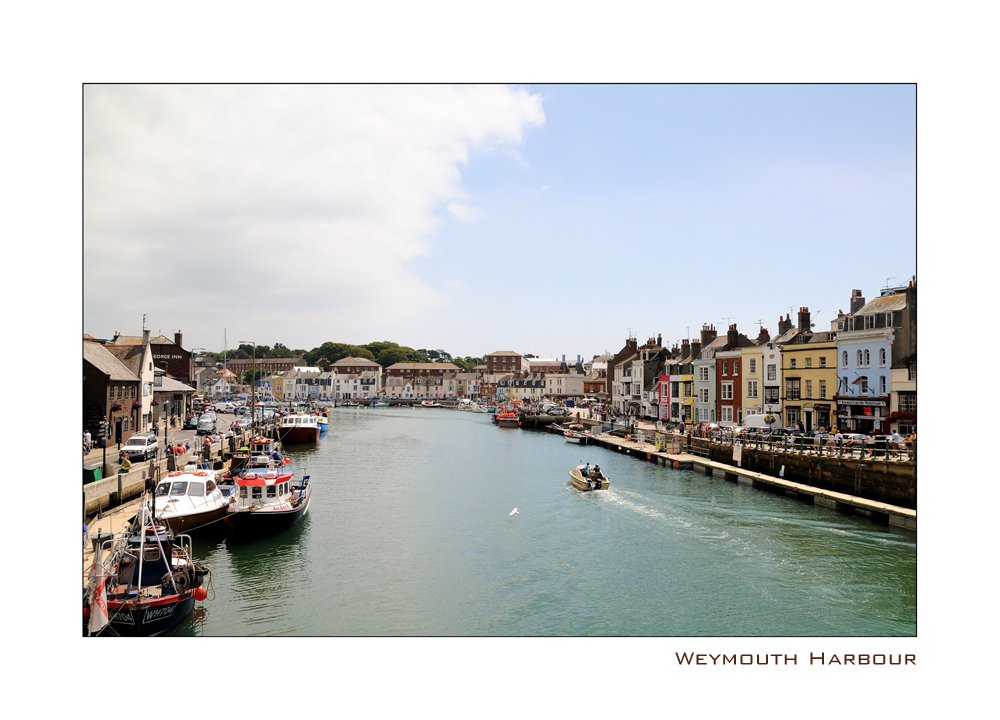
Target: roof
(424,366)
(130,356)
(105,361)
(353,361)
(503,352)
(174,386)
(884,304)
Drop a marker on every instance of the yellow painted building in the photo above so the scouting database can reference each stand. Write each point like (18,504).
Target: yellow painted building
(809,381)
(753,379)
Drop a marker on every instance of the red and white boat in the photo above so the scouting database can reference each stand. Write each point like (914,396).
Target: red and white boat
(299,428)
(267,502)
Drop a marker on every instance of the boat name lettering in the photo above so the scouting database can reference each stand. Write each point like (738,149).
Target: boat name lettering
(123,618)
(154,614)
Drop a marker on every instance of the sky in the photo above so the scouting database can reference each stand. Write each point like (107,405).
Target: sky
(546,219)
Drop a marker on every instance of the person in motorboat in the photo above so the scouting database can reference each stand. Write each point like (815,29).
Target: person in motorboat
(586,470)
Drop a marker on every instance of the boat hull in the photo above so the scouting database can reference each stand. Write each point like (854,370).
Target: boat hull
(581,483)
(148,618)
(578,439)
(298,435)
(197,522)
(250,524)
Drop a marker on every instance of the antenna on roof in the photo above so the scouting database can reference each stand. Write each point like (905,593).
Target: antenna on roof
(144,322)
(887,282)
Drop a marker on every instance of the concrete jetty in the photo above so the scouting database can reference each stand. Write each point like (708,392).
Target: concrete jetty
(893,514)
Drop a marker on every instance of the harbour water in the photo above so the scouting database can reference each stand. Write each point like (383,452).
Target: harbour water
(411,533)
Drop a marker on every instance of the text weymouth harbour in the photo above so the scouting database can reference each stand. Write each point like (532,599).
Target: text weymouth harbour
(411,532)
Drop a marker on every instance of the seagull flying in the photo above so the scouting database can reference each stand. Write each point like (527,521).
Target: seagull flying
(513,511)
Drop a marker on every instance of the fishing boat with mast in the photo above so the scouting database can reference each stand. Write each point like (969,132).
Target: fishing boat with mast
(143,583)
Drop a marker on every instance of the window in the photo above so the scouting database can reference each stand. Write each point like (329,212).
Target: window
(809,362)
(771,395)
(822,361)
(869,322)
(822,388)
(861,359)
(772,372)
(736,367)
(791,363)
(881,385)
(809,388)
(864,384)
(272,491)
(867,358)
(753,365)
(727,413)
(725,367)
(792,389)
(845,358)
(256,493)
(727,391)
(881,357)
(687,389)
(703,395)
(703,372)
(913,372)
(751,388)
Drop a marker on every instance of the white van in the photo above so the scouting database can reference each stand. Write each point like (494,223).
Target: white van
(757,422)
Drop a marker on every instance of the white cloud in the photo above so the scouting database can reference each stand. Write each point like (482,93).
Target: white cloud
(199,200)
(466,213)
(454,284)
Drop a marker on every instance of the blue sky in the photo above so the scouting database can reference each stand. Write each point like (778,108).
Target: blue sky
(544,219)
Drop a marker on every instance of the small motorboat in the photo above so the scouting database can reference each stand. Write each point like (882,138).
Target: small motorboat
(323,423)
(268,502)
(594,482)
(379,403)
(144,583)
(190,500)
(575,437)
(506,419)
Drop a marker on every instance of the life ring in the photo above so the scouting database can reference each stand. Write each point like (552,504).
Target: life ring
(201,473)
(175,473)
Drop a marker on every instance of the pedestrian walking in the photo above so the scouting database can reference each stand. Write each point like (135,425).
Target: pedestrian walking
(86,440)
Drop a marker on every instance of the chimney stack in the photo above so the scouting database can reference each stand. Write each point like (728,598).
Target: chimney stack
(178,339)
(659,340)
(857,302)
(784,325)
(763,336)
(685,348)
(804,325)
(145,337)
(732,337)
(695,349)
(707,334)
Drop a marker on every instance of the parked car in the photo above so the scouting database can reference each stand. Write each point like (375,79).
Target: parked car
(209,414)
(244,422)
(557,411)
(191,423)
(224,407)
(206,425)
(141,446)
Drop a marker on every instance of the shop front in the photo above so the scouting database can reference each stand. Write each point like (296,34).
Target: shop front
(863,416)
(816,417)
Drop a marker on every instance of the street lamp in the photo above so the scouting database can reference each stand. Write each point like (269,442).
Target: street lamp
(253,384)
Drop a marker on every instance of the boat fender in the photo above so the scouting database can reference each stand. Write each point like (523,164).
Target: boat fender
(201,593)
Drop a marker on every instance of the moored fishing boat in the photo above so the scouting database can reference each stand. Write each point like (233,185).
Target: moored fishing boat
(144,583)
(575,437)
(297,429)
(595,481)
(268,502)
(190,500)
(507,419)
(323,423)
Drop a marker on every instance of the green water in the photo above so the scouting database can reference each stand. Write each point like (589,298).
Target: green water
(410,532)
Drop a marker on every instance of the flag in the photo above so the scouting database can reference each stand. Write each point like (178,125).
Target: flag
(99,596)
(856,381)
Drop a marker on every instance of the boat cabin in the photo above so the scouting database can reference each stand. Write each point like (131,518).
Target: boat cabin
(271,488)
(299,421)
